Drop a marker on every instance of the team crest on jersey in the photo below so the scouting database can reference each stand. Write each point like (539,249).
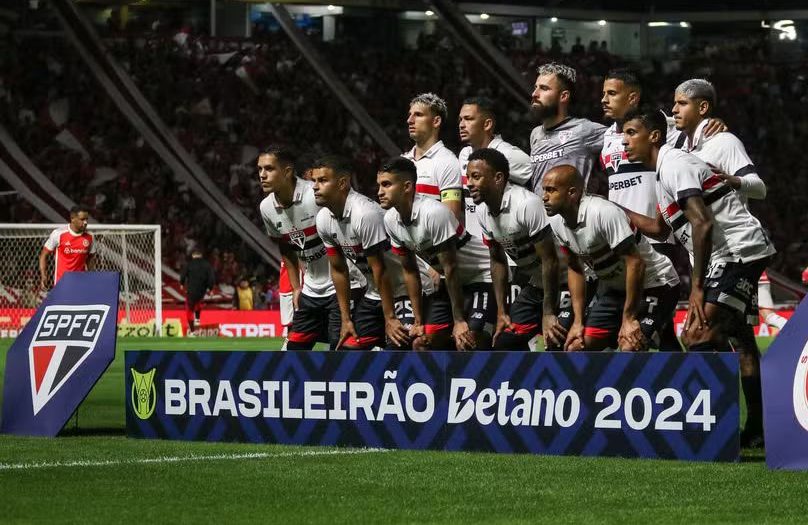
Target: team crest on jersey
(614,161)
(64,338)
(564,136)
(86,243)
(298,238)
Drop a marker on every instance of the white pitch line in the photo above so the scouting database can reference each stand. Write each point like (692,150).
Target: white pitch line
(179,459)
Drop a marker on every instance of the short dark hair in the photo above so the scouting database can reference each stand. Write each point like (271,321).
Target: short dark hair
(401,167)
(493,158)
(78,208)
(484,105)
(652,118)
(341,166)
(629,75)
(284,154)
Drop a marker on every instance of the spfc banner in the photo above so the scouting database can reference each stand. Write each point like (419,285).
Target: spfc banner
(62,352)
(784,370)
(653,405)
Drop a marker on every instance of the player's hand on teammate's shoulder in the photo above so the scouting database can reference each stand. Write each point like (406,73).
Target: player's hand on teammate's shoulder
(715,126)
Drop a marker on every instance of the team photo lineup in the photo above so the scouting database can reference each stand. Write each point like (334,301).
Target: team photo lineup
(492,247)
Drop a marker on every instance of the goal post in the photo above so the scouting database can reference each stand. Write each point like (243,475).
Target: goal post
(134,250)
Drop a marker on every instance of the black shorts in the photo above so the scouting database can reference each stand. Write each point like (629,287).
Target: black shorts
(735,286)
(527,310)
(479,306)
(317,319)
(604,316)
(368,320)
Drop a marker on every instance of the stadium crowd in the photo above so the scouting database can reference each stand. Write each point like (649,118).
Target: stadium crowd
(224,99)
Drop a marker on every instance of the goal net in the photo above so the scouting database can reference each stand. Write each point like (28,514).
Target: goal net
(132,250)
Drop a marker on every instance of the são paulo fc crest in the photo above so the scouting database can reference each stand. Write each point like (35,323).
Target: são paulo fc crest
(60,353)
(64,338)
(298,238)
(800,394)
(565,135)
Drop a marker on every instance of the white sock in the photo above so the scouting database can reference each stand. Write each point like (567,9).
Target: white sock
(776,320)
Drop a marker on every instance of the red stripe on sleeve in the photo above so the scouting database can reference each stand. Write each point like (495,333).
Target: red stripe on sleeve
(715,180)
(399,250)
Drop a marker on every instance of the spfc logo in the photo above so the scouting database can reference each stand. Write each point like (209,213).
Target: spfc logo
(564,136)
(298,238)
(349,252)
(800,392)
(615,161)
(65,336)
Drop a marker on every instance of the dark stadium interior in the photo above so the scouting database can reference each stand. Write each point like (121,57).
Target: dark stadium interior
(223,97)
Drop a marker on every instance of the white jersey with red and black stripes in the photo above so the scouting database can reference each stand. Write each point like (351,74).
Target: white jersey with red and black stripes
(359,229)
(296,226)
(519,225)
(431,225)
(631,184)
(725,152)
(519,169)
(438,171)
(601,228)
(737,235)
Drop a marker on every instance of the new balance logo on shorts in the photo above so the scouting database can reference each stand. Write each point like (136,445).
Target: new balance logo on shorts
(64,338)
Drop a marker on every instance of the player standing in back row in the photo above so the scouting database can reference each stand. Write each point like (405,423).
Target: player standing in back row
(693,103)
(559,138)
(439,175)
(73,245)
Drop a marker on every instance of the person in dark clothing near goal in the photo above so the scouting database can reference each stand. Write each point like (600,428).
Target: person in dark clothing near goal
(197,278)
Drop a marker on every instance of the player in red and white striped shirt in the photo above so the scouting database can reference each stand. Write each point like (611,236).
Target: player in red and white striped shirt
(73,245)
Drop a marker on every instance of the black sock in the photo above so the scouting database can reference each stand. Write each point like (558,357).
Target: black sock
(753,394)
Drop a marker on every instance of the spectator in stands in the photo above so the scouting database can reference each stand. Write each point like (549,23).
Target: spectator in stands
(244,298)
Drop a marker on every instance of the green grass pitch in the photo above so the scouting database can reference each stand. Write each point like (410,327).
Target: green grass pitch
(93,474)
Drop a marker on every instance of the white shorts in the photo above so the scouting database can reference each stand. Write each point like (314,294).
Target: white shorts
(287,308)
